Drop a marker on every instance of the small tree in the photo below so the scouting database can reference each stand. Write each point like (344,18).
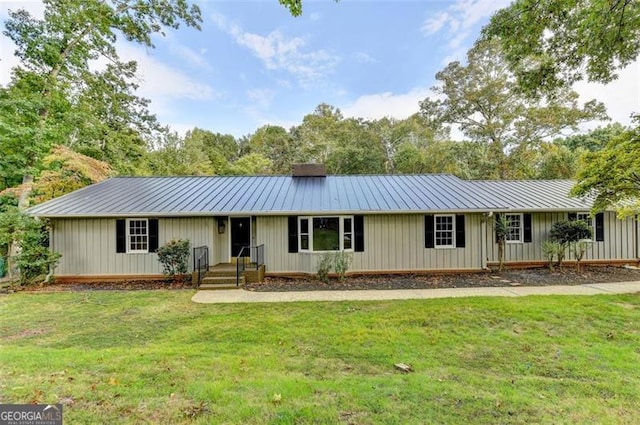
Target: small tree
(502,230)
(580,249)
(565,233)
(549,251)
(173,256)
(34,258)
(342,262)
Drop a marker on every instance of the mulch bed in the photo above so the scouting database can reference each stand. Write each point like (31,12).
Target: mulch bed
(524,277)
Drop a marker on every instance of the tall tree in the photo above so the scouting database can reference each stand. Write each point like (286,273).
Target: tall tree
(54,81)
(275,144)
(550,44)
(612,174)
(483,101)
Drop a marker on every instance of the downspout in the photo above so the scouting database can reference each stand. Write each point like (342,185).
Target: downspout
(52,267)
(483,242)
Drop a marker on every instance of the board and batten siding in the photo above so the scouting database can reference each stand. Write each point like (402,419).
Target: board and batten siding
(619,240)
(391,243)
(88,245)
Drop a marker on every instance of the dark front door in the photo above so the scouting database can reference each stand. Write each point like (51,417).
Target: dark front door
(240,235)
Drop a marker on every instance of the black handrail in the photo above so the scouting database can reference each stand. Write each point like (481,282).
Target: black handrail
(200,261)
(255,253)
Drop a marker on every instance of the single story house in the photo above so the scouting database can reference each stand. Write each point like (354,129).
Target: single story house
(391,223)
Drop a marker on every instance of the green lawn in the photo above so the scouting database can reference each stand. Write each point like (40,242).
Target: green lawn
(156,357)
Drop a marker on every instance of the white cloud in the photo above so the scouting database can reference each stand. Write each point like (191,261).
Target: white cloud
(380,105)
(279,52)
(260,98)
(622,96)
(434,24)
(363,57)
(193,58)
(459,21)
(7,48)
(161,82)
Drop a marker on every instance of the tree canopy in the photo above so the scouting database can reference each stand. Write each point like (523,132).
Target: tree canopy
(481,98)
(552,43)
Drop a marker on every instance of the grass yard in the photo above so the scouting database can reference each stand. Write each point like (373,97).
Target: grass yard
(156,357)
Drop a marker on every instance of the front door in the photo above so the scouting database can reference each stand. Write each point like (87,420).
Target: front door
(240,235)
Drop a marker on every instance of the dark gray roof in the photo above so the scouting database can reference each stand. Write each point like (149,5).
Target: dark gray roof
(280,195)
(533,195)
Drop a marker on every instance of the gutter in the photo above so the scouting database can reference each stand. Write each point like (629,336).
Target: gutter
(298,213)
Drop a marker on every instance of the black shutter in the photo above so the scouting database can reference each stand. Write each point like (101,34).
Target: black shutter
(497,220)
(526,218)
(121,236)
(600,227)
(429,234)
(293,233)
(358,230)
(460,239)
(573,216)
(153,234)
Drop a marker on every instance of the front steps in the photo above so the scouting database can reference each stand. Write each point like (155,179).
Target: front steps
(221,276)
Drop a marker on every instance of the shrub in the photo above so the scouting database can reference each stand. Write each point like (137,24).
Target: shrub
(336,261)
(174,256)
(342,262)
(549,250)
(566,232)
(33,258)
(324,267)
(579,249)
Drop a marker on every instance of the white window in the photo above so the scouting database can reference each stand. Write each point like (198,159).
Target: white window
(444,231)
(137,235)
(326,234)
(514,227)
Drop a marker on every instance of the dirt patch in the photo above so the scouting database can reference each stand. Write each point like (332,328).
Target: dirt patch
(25,333)
(526,277)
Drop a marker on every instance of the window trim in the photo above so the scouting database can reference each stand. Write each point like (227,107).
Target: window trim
(452,231)
(591,222)
(128,236)
(520,228)
(341,231)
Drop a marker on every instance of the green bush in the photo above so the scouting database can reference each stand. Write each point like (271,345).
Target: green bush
(324,267)
(342,262)
(174,256)
(339,262)
(566,232)
(34,259)
(549,250)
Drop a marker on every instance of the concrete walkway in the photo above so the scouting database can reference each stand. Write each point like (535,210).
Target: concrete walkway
(242,296)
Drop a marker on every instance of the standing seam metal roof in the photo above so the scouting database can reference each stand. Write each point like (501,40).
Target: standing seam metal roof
(184,196)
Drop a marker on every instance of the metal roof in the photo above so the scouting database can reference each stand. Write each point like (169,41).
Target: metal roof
(281,195)
(533,195)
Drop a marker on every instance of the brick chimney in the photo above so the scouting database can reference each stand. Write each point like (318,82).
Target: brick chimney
(309,170)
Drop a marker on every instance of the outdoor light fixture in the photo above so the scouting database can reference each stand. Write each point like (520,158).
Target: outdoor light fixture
(221,226)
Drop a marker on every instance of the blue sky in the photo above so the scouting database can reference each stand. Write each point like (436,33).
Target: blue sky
(254,64)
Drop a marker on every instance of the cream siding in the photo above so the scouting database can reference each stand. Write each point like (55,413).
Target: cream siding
(619,240)
(392,243)
(88,246)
